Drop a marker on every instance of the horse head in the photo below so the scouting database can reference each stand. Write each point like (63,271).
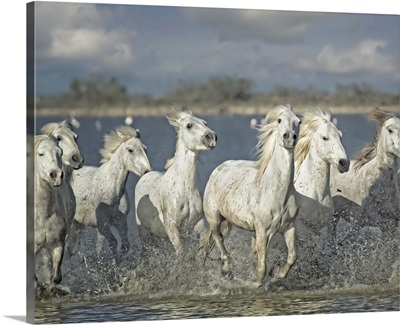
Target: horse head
(67,141)
(193,131)
(126,141)
(389,127)
(319,132)
(48,160)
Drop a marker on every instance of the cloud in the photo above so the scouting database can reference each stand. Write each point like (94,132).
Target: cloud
(273,26)
(365,57)
(74,31)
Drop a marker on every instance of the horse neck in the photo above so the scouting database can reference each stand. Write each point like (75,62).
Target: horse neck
(44,192)
(281,164)
(314,174)
(113,174)
(184,164)
(384,159)
(68,172)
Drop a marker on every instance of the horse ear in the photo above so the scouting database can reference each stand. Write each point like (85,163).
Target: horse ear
(137,133)
(120,134)
(173,122)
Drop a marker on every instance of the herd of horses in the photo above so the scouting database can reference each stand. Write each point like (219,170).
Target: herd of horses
(289,189)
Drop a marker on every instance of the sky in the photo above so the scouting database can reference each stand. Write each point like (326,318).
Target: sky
(151,48)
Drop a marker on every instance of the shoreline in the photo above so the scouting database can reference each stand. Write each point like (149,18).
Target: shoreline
(164,110)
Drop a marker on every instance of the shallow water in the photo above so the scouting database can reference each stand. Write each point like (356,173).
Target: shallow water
(130,308)
(150,284)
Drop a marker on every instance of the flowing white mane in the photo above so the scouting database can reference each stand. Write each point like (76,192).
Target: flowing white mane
(40,138)
(50,128)
(266,139)
(114,139)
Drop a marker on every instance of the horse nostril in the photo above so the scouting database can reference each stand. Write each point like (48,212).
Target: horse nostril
(286,135)
(74,158)
(294,136)
(216,138)
(208,137)
(52,175)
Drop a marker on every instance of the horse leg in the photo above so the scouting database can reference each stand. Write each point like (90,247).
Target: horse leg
(102,234)
(57,255)
(72,240)
(215,228)
(173,235)
(261,241)
(289,236)
(119,221)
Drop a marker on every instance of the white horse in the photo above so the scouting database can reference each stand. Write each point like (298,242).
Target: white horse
(164,199)
(72,159)
(319,147)
(103,187)
(375,161)
(50,225)
(258,196)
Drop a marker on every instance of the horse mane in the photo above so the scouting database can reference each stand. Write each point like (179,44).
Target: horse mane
(309,125)
(39,139)
(114,139)
(266,139)
(173,118)
(51,127)
(368,151)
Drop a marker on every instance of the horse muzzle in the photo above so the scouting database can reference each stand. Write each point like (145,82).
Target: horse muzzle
(56,177)
(76,161)
(289,139)
(343,165)
(210,140)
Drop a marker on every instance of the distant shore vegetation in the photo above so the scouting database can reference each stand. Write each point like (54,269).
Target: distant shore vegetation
(217,95)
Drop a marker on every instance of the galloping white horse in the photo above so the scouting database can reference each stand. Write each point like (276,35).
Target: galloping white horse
(258,196)
(376,156)
(319,147)
(72,159)
(104,187)
(50,225)
(375,161)
(164,199)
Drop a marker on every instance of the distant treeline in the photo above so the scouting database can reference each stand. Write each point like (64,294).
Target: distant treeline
(102,92)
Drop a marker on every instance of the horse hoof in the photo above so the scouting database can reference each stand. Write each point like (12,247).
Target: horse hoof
(62,290)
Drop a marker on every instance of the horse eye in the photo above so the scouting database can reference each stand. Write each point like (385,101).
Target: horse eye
(279,120)
(325,138)
(130,150)
(299,122)
(189,125)
(58,138)
(390,130)
(41,154)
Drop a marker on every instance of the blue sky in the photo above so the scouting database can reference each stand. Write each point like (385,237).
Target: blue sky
(150,48)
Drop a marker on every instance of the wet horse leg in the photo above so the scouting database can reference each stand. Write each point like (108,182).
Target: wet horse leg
(57,255)
(261,243)
(289,236)
(215,227)
(173,235)
(103,233)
